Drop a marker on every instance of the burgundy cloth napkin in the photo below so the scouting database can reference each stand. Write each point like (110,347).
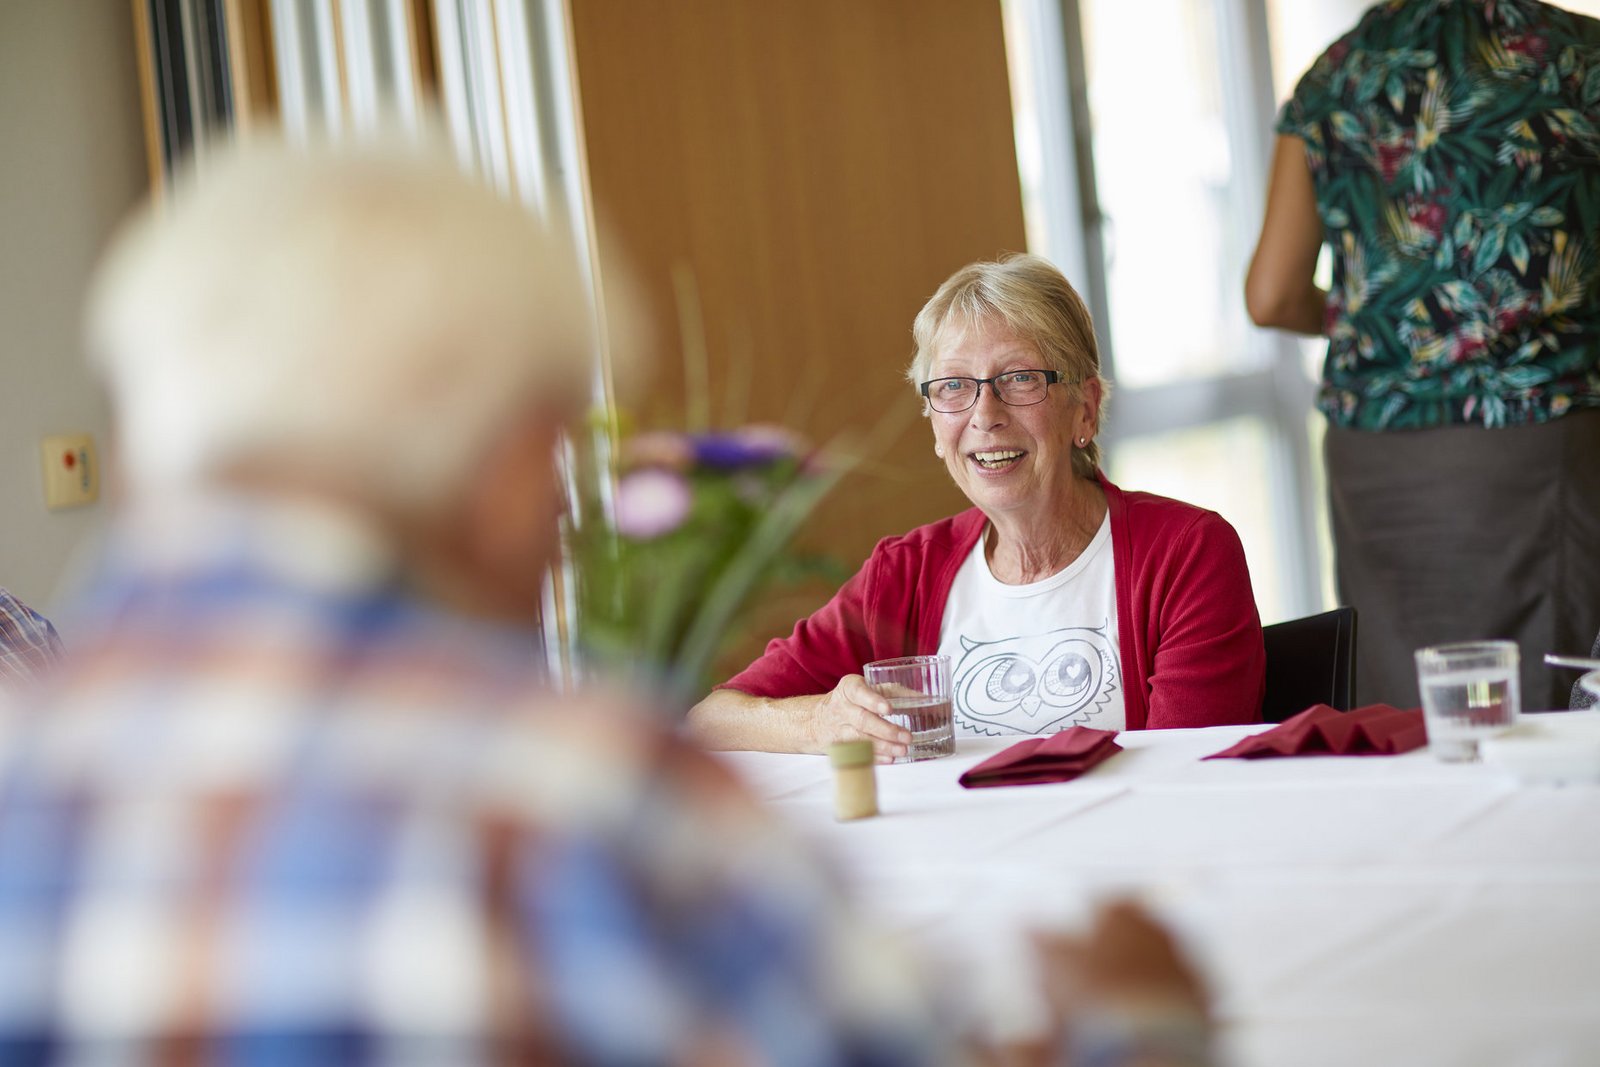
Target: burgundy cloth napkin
(1375,730)
(1058,758)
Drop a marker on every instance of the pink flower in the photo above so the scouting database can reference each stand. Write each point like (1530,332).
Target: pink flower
(671,450)
(820,462)
(770,435)
(651,502)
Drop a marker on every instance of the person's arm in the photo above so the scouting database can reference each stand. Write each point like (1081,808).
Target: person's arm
(1125,995)
(663,877)
(806,691)
(1279,290)
(1210,665)
(731,720)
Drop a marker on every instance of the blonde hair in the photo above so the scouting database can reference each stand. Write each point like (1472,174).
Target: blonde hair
(371,313)
(1033,301)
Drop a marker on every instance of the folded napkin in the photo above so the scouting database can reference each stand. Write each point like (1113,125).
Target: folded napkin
(1375,730)
(1058,758)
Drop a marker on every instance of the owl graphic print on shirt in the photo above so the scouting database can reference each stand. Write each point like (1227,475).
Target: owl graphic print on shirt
(1038,684)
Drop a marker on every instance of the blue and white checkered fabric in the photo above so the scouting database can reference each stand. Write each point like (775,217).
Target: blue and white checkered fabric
(276,809)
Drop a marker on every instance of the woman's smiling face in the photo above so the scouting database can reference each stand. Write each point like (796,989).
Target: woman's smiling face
(1003,457)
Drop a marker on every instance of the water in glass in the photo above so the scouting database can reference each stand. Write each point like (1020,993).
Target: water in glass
(931,724)
(1464,706)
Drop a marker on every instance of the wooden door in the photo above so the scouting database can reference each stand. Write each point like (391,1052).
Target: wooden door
(817,167)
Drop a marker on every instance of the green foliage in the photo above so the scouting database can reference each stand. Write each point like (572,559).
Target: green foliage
(679,537)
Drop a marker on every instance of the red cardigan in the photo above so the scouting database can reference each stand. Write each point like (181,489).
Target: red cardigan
(1186,616)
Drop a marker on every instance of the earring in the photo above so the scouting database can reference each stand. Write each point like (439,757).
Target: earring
(938,450)
(1083,442)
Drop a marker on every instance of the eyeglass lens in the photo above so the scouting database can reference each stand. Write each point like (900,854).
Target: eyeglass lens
(1018,388)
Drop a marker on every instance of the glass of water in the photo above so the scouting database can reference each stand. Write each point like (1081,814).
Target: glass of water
(1470,691)
(918,688)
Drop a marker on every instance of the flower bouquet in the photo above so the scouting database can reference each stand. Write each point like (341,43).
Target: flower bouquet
(694,528)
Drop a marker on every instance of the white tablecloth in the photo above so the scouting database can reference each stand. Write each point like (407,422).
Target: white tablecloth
(1346,910)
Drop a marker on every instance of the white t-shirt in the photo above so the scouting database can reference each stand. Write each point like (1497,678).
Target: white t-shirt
(1036,658)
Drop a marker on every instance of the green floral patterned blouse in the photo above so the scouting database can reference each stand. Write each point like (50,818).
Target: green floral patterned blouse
(1455,149)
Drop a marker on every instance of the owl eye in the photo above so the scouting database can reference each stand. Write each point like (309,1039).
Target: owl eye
(1011,678)
(1068,676)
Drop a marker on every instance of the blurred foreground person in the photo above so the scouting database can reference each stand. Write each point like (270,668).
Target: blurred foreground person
(301,796)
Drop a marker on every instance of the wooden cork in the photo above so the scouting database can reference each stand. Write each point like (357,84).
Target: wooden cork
(855,782)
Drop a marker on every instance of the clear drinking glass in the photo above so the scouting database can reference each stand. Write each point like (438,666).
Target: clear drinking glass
(1470,691)
(918,688)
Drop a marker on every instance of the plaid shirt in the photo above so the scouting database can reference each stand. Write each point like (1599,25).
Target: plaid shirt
(276,809)
(28,643)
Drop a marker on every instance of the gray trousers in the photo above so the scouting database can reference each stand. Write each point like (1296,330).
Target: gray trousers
(1462,533)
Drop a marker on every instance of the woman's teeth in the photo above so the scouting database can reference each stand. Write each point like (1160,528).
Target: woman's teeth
(992,460)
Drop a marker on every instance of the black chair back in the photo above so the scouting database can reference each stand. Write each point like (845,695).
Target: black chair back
(1310,661)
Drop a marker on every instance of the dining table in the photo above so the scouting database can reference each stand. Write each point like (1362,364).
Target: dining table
(1343,910)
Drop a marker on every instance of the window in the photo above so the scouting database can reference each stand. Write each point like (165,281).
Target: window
(1144,136)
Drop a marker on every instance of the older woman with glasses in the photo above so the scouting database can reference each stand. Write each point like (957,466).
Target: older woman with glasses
(1060,599)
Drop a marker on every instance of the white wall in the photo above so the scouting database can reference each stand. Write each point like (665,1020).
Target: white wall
(71,164)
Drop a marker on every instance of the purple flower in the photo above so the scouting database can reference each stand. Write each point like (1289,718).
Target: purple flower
(749,447)
(651,502)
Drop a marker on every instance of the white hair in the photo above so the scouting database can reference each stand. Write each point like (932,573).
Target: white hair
(371,314)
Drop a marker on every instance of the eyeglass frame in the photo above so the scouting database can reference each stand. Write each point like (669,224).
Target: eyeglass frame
(1051,377)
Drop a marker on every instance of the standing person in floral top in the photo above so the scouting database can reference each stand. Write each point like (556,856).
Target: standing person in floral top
(1448,153)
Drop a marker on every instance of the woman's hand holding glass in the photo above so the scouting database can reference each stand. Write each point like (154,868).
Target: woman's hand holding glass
(852,710)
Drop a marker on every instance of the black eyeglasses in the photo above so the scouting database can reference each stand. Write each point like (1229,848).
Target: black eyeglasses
(1018,388)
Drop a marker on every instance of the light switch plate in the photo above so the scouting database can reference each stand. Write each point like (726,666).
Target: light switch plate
(71,470)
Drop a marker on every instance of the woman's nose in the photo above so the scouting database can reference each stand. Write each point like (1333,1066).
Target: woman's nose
(988,409)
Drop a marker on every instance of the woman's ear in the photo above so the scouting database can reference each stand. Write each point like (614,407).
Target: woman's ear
(1090,393)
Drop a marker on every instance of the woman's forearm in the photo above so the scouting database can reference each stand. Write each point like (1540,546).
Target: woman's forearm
(731,720)
(728,720)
